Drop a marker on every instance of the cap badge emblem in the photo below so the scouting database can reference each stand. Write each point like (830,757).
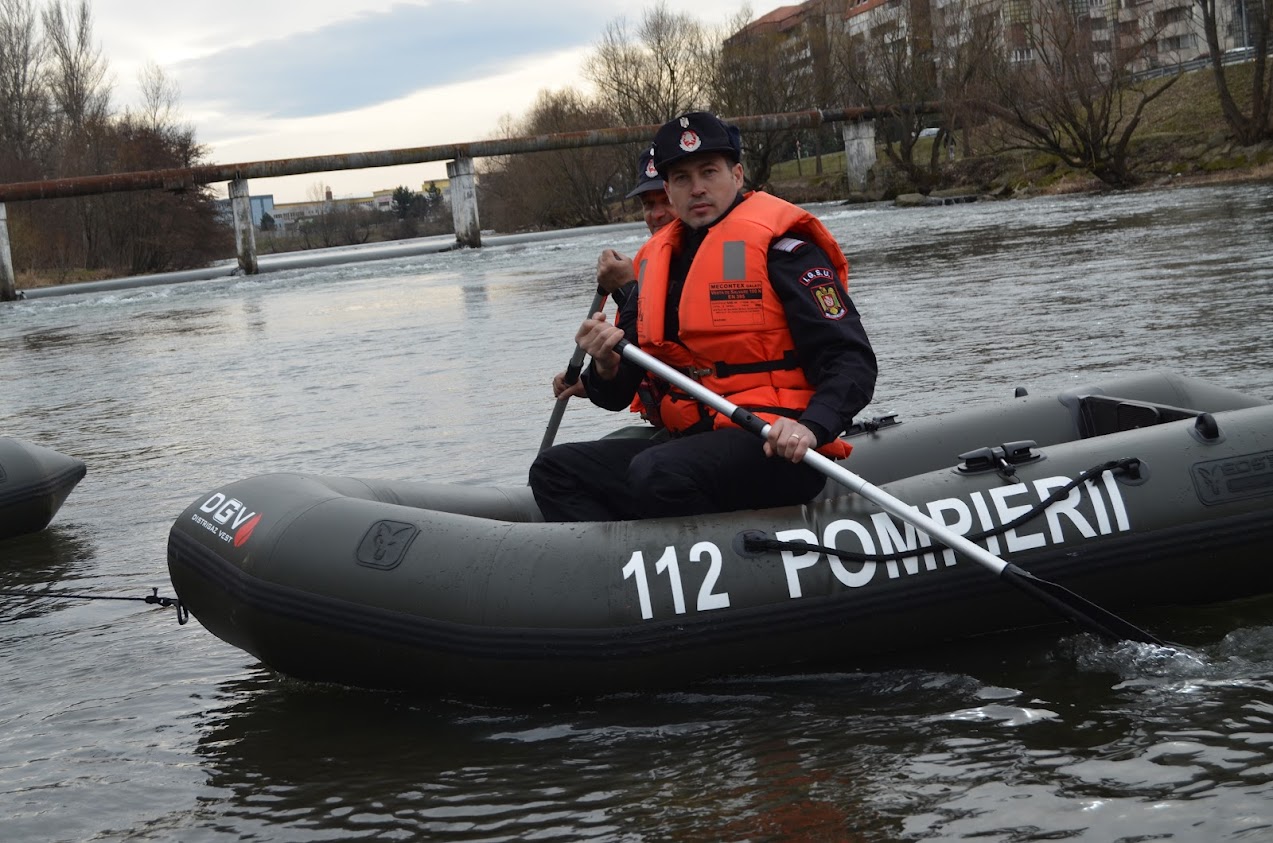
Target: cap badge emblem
(650,171)
(690,140)
(685,122)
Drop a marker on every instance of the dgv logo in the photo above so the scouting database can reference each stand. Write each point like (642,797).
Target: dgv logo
(225,510)
(232,521)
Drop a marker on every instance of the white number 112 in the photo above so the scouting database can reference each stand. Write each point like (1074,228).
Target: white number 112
(708,597)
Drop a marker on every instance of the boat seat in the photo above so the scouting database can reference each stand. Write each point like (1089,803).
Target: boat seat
(1103,414)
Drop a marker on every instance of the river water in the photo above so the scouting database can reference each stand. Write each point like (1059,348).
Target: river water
(116,724)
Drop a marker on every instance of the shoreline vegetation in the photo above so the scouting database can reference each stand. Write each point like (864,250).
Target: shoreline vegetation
(1182,140)
(1168,151)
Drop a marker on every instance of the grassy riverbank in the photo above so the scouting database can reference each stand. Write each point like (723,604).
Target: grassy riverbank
(1182,139)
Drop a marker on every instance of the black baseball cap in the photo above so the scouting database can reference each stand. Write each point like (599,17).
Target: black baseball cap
(647,177)
(697,131)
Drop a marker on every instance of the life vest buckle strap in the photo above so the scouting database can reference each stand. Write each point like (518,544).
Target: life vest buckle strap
(698,373)
(789,361)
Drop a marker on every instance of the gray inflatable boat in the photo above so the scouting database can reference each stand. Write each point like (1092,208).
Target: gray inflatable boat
(1149,491)
(34,483)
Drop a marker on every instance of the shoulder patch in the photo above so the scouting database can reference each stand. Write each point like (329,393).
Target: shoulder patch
(789,244)
(828,298)
(821,274)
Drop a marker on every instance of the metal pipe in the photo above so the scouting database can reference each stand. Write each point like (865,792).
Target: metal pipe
(185,178)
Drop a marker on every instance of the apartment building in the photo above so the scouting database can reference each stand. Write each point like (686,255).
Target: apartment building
(802,32)
(1170,31)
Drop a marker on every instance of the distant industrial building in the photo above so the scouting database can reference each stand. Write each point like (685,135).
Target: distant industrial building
(261,206)
(287,214)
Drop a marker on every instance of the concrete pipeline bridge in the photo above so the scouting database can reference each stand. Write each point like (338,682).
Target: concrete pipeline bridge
(858,131)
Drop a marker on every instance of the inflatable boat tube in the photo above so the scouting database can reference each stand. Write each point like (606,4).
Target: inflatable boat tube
(34,483)
(1163,488)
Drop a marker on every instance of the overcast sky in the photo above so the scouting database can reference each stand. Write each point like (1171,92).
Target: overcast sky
(271,79)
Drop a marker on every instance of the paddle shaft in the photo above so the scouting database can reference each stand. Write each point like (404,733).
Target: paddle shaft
(573,369)
(749,421)
(1066,602)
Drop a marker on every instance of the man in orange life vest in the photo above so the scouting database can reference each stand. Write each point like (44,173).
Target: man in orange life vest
(748,293)
(615,274)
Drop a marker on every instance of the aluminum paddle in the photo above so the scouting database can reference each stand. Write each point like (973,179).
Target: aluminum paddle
(1078,609)
(573,368)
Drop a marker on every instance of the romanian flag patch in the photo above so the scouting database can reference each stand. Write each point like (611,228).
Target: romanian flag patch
(829,301)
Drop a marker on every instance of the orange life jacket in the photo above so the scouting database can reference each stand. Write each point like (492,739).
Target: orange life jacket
(733,334)
(646,402)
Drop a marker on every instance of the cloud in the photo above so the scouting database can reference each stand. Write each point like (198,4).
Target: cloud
(263,79)
(380,56)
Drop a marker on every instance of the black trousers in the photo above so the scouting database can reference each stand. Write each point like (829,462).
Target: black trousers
(623,479)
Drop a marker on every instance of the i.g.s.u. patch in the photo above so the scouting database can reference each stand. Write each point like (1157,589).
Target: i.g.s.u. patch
(819,274)
(829,301)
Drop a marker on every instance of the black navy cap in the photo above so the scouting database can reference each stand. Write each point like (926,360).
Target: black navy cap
(697,131)
(648,178)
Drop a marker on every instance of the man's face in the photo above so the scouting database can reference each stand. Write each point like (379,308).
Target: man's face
(657,209)
(702,187)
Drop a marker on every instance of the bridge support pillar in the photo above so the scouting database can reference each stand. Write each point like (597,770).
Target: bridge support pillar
(244,230)
(8,281)
(859,152)
(468,229)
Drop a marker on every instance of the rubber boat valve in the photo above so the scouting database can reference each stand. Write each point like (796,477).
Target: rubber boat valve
(1133,471)
(751,543)
(1003,459)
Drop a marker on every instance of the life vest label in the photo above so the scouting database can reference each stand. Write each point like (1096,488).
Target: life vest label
(736,304)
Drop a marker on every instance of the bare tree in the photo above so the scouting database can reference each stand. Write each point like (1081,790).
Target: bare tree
(153,231)
(156,139)
(160,95)
(78,75)
(80,92)
(965,44)
(1060,89)
(318,191)
(1256,20)
(24,103)
(754,72)
(650,75)
(894,65)
(562,188)
(56,120)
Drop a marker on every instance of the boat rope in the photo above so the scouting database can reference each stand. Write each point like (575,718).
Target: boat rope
(755,542)
(183,614)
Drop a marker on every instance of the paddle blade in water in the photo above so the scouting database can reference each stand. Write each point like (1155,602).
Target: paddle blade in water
(1083,612)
